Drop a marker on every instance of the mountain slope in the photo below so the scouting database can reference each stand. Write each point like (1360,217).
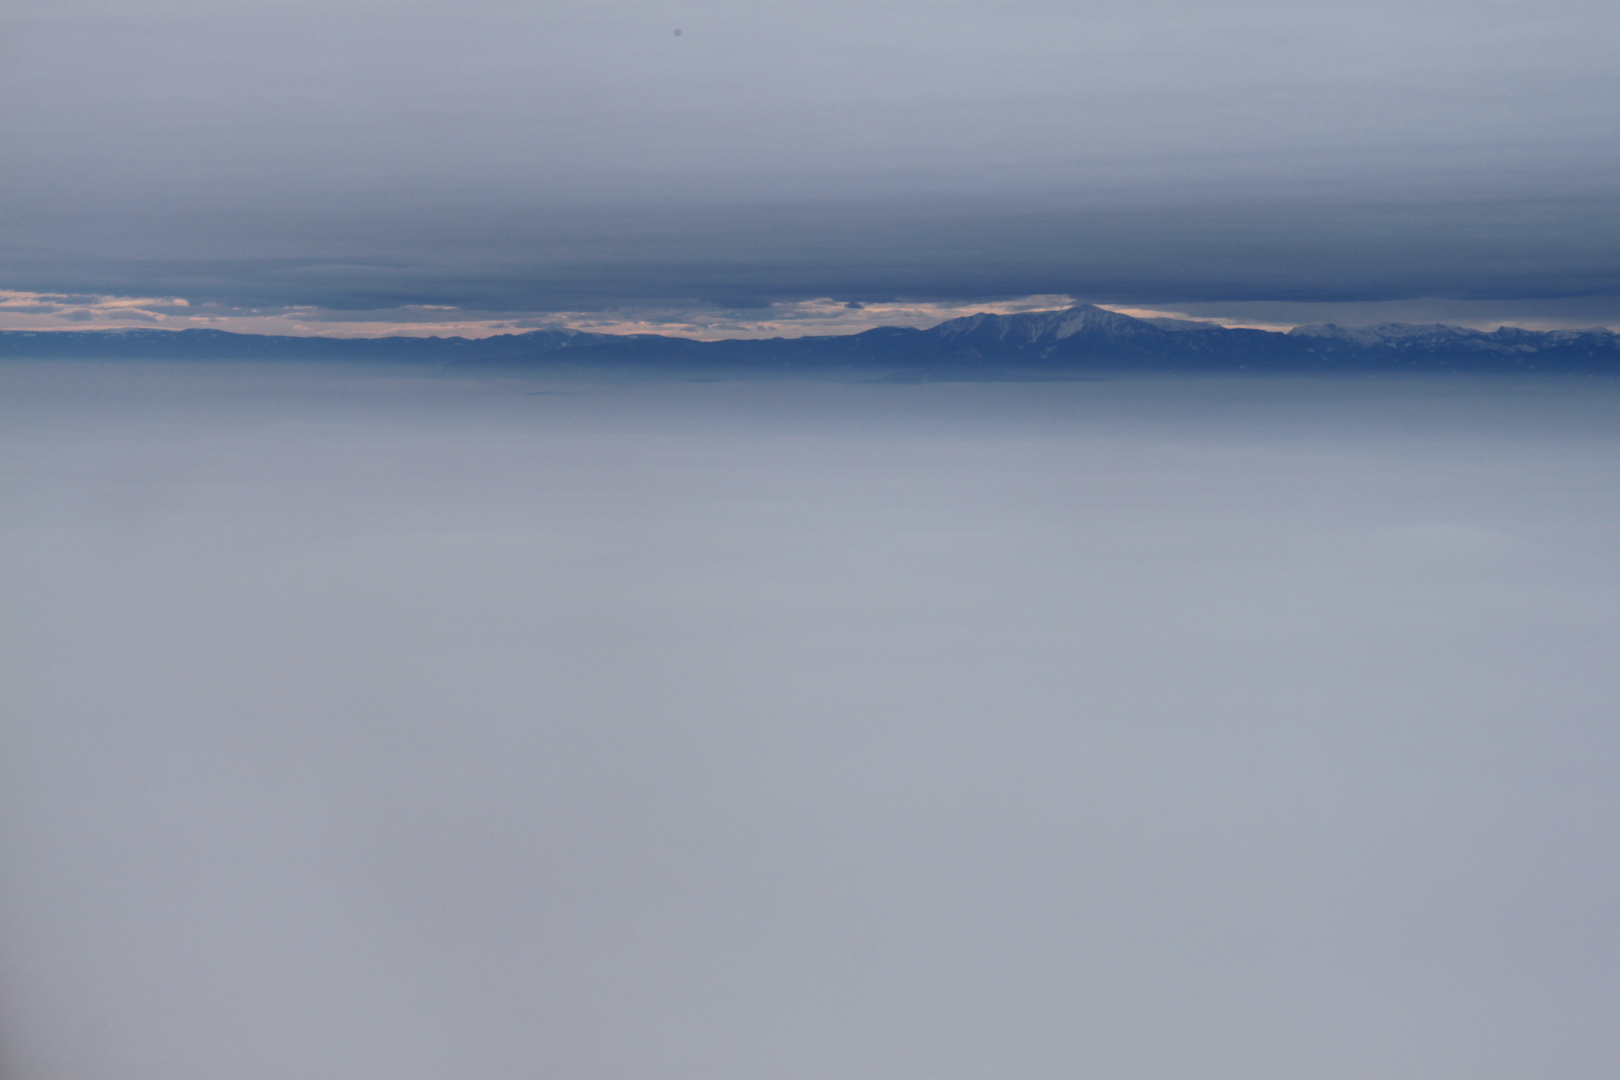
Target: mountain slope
(1043,344)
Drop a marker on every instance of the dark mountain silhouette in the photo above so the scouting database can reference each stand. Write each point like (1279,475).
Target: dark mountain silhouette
(1073,343)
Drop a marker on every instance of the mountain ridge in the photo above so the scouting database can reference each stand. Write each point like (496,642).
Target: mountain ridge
(1069,342)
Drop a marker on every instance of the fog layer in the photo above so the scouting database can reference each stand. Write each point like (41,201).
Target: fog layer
(384,726)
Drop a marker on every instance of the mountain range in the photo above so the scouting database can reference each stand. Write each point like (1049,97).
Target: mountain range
(1077,342)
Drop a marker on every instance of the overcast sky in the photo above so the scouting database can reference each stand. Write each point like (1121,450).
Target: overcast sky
(355,166)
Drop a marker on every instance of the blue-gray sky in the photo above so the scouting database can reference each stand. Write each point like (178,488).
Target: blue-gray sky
(356,166)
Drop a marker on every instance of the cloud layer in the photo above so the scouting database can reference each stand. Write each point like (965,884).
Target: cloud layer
(711,320)
(372,725)
(503,161)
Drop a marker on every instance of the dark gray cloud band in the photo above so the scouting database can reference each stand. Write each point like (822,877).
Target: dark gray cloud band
(494,159)
(517,258)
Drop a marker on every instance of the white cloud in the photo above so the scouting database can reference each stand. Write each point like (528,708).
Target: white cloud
(43,311)
(21,310)
(365,725)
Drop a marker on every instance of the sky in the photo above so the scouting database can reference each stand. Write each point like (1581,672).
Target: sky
(423,167)
(363,724)
(382,722)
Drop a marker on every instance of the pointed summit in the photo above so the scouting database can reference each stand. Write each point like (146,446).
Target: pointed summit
(1043,327)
